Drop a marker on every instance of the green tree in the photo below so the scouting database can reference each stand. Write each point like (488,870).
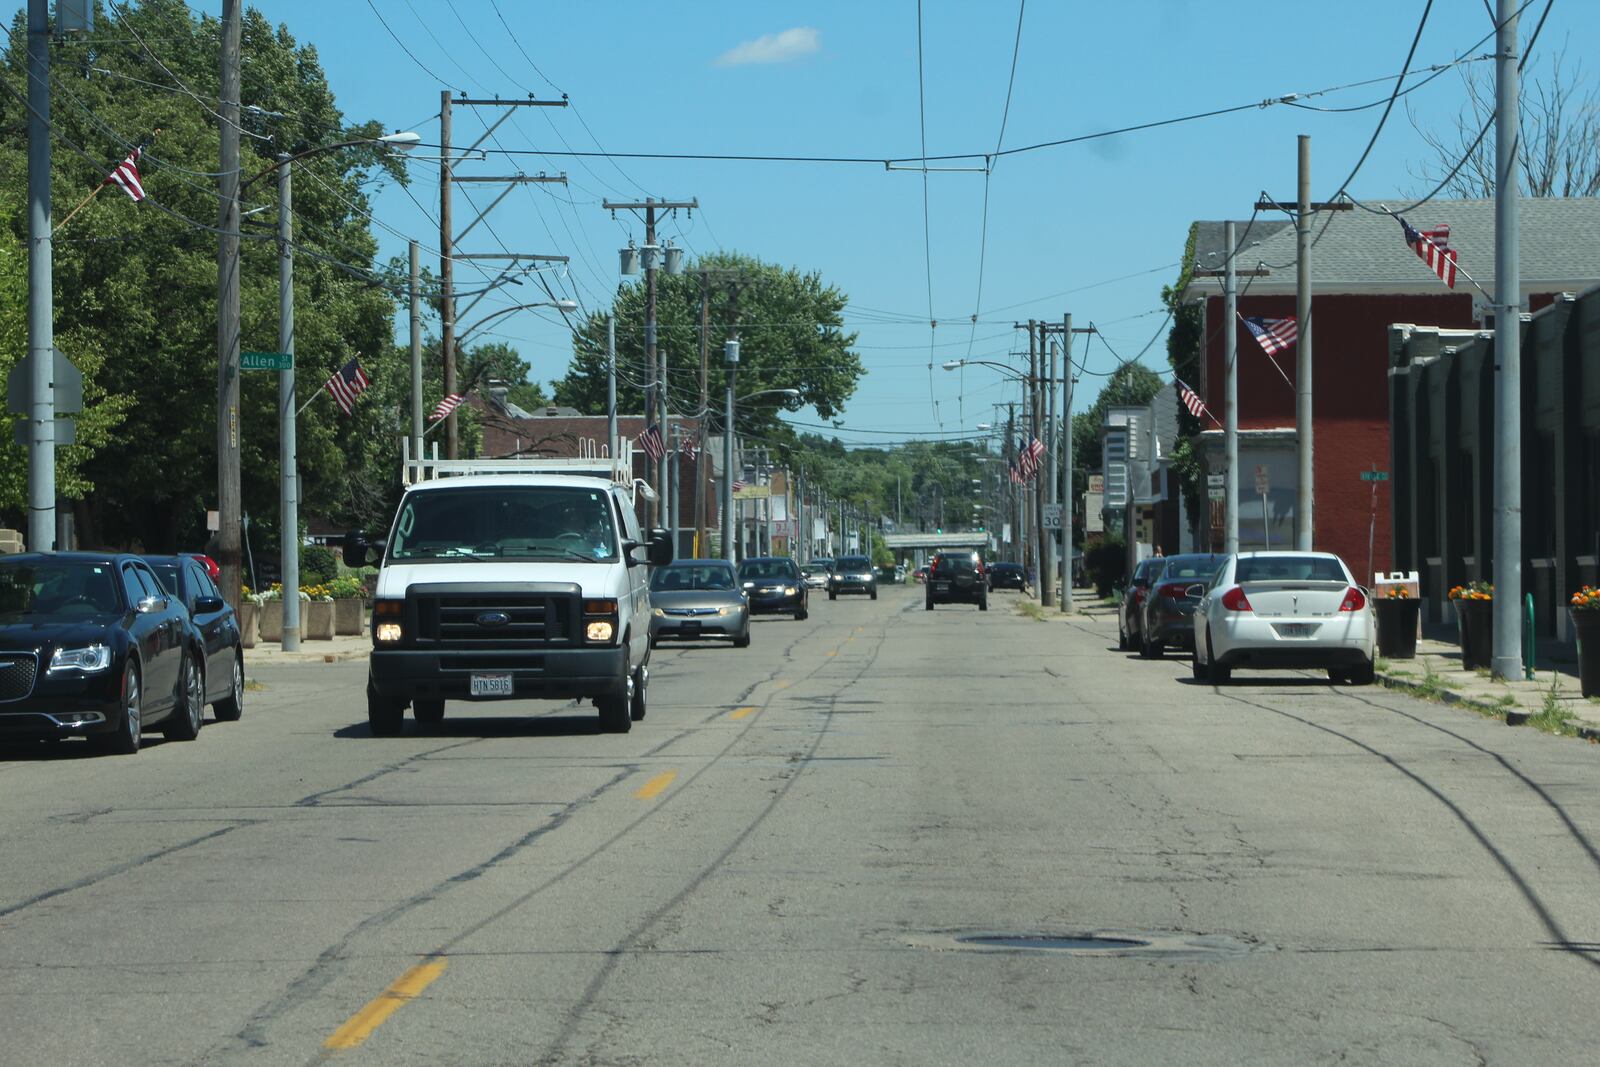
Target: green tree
(791,337)
(135,284)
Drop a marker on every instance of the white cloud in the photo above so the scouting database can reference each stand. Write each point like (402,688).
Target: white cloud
(772,48)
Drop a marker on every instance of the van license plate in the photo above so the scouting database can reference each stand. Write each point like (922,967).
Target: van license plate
(491,685)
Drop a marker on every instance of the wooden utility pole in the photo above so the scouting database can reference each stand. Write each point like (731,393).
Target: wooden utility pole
(229,503)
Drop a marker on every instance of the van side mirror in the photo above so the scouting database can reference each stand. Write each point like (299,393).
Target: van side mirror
(660,548)
(358,548)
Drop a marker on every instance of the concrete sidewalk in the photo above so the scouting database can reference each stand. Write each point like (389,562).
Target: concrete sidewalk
(1436,674)
(337,650)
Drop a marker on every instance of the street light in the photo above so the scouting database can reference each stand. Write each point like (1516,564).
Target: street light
(288,460)
(563,306)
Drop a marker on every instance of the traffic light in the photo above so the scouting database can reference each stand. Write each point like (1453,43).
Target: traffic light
(938,529)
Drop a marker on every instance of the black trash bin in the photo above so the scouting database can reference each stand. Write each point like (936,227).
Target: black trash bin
(1397,626)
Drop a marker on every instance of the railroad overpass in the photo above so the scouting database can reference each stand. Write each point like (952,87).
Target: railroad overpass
(933,542)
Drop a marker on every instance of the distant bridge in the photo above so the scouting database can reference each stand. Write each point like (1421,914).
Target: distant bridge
(968,539)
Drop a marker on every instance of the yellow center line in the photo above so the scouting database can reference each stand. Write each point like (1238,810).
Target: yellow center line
(782,683)
(833,651)
(656,786)
(742,712)
(360,1026)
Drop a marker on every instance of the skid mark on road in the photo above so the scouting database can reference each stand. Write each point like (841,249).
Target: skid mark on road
(407,987)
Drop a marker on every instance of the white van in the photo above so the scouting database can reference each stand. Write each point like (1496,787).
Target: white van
(512,580)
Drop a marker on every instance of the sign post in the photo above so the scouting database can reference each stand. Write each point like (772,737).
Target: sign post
(1263,487)
(1374,476)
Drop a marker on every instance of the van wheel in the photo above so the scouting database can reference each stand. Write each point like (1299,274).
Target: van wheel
(637,708)
(616,711)
(385,716)
(832,595)
(428,712)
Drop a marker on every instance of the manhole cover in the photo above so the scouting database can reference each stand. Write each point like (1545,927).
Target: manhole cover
(1043,941)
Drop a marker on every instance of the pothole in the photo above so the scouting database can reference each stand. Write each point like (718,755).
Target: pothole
(1164,945)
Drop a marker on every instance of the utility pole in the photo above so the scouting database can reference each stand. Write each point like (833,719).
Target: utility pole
(1506,655)
(655,372)
(705,400)
(611,385)
(288,461)
(1052,445)
(1230,430)
(41,408)
(416,354)
(229,502)
(1015,493)
(448,235)
(730,525)
(1304,526)
(1047,580)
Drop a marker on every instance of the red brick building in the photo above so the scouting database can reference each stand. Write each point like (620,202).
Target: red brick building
(1364,278)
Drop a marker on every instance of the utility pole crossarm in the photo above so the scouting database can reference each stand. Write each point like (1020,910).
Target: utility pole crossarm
(658,205)
(1293,206)
(510,255)
(530,102)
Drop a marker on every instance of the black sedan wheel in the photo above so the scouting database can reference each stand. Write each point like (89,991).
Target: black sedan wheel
(184,722)
(124,741)
(230,707)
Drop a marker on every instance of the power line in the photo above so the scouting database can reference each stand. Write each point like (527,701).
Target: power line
(1389,107)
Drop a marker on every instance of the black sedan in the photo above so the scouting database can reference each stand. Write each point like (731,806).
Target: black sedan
(852,574)
(774,584)
(188,579)
(1008,576)
(92,646)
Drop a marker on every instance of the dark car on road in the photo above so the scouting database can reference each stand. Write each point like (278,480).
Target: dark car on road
(92,646)
(957,578)
(694,599)
(1129,612)
(774,585)
(188,579)
(1167,617)
(852,574)
(1007,576)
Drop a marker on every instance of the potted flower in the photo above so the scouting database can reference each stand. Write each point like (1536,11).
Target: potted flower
(1585,607)
(249,616)
(1398,613)
(1474,603)
(271,623)
(316,613)
(349,604)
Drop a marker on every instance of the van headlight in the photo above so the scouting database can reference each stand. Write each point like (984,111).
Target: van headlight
(600,621)
(600,631)
(88,660)
(386,624)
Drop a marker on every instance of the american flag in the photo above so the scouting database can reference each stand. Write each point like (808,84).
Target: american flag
(125,176)
(447,405)
(1016,476)
(689,449)
(1191,399)
(652,442)
(347,383)
(737,485)
(1433,248)
(1028,459)
(1274,335)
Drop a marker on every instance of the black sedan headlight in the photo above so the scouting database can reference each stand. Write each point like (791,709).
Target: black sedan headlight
(90,659)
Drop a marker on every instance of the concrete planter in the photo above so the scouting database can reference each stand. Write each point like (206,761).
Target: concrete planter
(349,616)
(316,620)
(249,613)
(1586,624)
(272,621)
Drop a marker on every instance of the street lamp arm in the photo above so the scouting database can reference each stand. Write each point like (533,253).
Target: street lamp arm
(955,364)
(402,141)
(559,305)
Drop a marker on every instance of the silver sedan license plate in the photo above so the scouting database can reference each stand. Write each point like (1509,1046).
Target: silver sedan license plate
(491,685)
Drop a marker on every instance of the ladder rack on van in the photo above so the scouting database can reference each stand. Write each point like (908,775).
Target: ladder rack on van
(593,460)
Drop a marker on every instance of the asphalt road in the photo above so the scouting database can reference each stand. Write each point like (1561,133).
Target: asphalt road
(779,864)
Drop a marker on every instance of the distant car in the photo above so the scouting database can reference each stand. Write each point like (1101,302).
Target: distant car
(825,562)
(773,585)
(1284,610)
(1168,613)
(899,573)
(187,579)
(852,574)
(816,575)
(1007,576)
(921,573)
(1128,611)
(957,578)
(91,645)
(693,599)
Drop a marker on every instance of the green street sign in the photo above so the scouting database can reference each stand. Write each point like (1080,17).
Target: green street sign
(266,361)
(1374,476)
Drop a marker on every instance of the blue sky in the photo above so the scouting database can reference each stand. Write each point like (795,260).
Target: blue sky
(841,79)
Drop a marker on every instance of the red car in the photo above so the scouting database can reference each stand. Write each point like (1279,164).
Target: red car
(920,574)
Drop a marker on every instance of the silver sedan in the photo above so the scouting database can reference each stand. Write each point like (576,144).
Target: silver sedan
(696,599)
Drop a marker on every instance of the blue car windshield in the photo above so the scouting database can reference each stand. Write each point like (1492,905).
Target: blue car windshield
(57,588)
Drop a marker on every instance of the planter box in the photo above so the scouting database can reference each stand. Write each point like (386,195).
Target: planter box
(249,613)
(272,621)
(1476,620)
(1586,624)
(350,616)
(1398,619)
(316,620)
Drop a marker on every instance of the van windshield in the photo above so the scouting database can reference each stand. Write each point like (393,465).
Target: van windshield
(506,522)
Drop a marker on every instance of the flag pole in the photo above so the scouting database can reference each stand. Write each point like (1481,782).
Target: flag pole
(81,205)
(301,410)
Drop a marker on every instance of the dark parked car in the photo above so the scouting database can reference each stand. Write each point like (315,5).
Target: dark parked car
(1168,613)
(957,578)
(91,645)
(774,584)
(1007,576)
(698,598)
(1130,610)
(187,578)
(852,574)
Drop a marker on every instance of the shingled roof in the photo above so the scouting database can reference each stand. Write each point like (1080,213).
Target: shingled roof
(1361,252)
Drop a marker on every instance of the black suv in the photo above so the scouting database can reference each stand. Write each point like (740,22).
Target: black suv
(852,574)
(957,578)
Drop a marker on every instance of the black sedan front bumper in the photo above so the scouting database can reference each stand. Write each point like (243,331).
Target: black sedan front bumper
(865,586)
(66,705)
(773,601)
